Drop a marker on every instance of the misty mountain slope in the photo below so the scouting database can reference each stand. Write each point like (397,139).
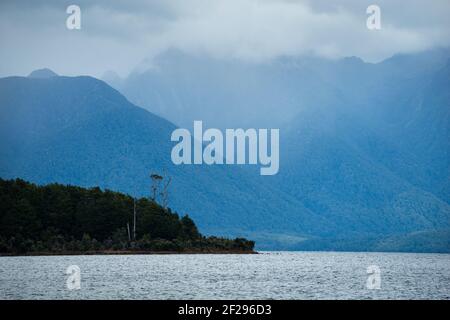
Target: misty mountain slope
(233,93)
(403,104)
(363,145)
(328,171)
(428,132)
(396,99)
(377,159)
(224,93)
(81,131)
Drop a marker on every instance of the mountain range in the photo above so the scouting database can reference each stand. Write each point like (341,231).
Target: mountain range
(364,161)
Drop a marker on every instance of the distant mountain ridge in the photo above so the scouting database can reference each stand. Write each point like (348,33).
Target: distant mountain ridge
(42,74)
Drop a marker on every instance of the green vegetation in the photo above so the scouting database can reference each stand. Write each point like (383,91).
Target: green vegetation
(56,219)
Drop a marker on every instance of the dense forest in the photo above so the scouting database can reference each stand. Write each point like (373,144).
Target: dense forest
(57,218)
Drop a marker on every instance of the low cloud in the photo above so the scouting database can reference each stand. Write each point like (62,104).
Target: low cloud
(119,35)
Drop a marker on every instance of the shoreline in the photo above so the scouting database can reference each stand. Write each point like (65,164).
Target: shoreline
(122,252)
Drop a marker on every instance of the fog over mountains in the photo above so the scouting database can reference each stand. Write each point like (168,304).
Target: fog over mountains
(364,161)
(399,106)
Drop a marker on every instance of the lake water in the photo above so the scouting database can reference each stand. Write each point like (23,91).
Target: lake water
(269,275)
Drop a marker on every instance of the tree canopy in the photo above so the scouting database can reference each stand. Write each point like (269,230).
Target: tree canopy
(61,218)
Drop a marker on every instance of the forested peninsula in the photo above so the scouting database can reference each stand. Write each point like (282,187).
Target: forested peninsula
(60,219)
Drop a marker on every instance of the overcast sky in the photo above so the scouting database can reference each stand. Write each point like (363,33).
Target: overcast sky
(119,35)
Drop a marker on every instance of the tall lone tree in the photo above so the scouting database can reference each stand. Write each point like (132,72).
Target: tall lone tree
(160,187)
(156,181)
